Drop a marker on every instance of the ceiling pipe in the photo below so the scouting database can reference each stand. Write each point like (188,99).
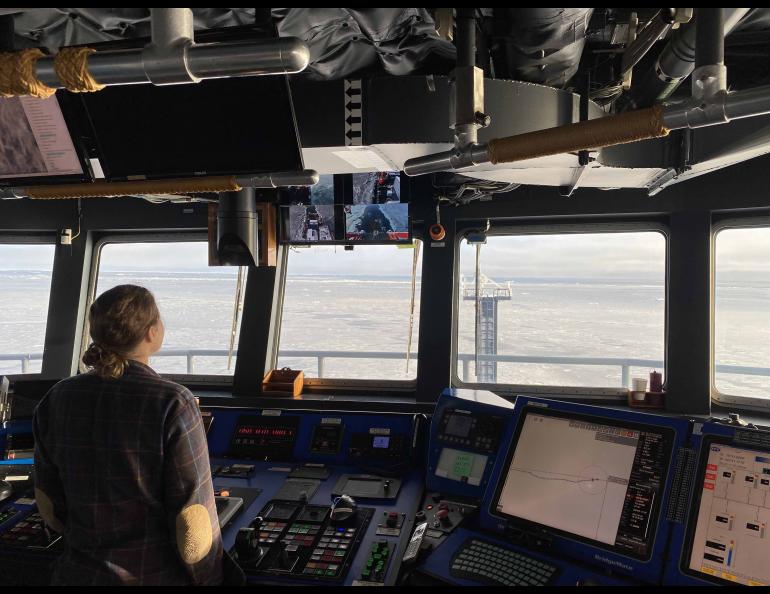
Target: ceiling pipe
(709,105)
(173,57)
(196,185)
(657,27)
(676,61)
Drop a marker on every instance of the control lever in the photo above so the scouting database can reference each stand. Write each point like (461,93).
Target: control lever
(247,549)
(413,548)
(288,557)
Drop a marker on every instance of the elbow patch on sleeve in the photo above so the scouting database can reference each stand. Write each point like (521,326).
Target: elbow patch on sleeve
(46,508)
(194,535)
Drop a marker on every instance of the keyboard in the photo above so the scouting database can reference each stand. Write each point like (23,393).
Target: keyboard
(489,563)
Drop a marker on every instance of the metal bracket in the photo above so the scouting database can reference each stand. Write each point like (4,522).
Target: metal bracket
(660,183)
(580,173)
(466,110)
(165,58)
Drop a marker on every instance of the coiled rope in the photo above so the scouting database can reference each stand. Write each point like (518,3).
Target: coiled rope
(18,76)
(71,66)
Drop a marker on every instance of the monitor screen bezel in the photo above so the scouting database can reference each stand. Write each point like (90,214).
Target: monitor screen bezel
(692,516)
(669,435)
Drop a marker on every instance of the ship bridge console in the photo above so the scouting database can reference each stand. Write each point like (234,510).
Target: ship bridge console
(482,492)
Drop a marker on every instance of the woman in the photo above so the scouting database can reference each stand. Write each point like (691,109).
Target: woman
(121,462)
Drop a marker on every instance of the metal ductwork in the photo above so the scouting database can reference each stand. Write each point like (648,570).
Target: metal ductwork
(675,63)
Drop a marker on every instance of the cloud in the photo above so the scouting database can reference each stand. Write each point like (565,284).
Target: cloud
(741,254)
(569,255)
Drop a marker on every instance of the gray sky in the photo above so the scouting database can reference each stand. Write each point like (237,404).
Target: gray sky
(741,253)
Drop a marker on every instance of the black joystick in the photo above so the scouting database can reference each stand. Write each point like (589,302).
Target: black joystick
(247,549)
(288,557)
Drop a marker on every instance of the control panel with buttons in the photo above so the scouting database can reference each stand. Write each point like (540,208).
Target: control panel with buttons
(475,431)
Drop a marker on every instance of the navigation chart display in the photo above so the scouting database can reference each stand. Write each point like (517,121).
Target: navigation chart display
(595,481)
(731,541)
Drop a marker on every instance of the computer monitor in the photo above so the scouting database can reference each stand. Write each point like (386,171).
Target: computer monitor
(228,126)
(378,187)
(728,540)
(35,143)
(592,479)
(377,223)
(309,215)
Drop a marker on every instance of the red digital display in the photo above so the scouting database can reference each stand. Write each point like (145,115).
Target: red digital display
(269,432)
(265,437)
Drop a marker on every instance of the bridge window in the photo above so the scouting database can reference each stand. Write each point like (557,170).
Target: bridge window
(742,312)
(26,271)
(566,311)
(197,302)
(348,314)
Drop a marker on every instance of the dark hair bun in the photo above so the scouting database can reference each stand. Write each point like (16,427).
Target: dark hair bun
(107,364)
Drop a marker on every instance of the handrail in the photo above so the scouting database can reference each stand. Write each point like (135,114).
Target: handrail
(625,364)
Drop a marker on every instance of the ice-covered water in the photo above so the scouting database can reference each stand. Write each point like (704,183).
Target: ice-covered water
(554,317)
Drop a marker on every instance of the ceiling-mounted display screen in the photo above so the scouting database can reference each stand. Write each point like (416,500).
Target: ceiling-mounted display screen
(378,187)
(313,212)
(311,224)
(377,223)
(226,126)
(35,142)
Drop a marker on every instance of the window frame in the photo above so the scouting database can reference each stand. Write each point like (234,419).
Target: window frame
(344,383)
(575,228)
(20,238)
(147,237)
(717,397)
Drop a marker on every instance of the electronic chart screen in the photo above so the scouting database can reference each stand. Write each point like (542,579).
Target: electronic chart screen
(728,540)
(589,478)
(35,142)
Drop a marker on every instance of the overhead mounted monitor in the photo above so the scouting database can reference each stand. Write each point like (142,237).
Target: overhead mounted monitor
(229,126)
(35,143)
(590,479)
(313,212)
(728,539)
(377,187)
(311,224)
(377,223)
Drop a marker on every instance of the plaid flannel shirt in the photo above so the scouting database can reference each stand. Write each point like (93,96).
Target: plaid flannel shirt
(120,459)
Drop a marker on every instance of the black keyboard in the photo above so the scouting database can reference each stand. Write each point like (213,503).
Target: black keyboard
(488,563)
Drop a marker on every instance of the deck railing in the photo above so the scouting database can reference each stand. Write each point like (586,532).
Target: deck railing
(321,358)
